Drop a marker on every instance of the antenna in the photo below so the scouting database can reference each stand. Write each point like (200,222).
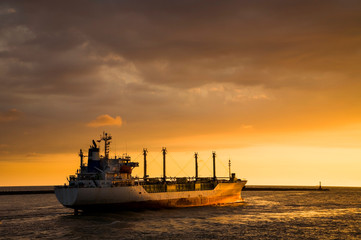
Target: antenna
(229,165)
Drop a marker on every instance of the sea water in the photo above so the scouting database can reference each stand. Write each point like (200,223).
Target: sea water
(334,214)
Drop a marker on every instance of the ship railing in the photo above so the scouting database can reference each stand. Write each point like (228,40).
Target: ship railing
(179,180)
(122,183)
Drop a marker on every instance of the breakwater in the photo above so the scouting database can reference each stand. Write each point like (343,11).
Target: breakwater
(283,188)
(22,190)
(26,192)
(50,189)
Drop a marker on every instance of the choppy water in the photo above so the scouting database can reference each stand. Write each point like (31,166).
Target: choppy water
(264,215)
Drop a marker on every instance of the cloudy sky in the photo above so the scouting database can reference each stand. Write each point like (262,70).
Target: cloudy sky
(273,85)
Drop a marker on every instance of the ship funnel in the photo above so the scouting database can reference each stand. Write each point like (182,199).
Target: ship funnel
(93,158)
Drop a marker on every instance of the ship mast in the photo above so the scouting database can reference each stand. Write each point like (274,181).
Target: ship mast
(145,163)
(196,162)
(81,155)
(214,166)
(164,150)
(106,138)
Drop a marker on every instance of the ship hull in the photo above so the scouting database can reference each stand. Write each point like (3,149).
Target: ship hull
(137,197)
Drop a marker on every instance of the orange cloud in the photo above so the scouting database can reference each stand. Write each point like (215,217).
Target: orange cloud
(32,155)
(10,115)
(247,126)
(105,120)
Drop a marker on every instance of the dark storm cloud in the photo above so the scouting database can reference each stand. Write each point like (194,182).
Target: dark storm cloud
(59,46)
(174,63)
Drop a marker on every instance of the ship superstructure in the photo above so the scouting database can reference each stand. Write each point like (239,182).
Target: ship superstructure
(108,182)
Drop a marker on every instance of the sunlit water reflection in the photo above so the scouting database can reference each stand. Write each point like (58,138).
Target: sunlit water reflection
(263,215)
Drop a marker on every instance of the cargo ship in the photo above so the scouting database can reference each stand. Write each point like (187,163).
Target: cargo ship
(107,183)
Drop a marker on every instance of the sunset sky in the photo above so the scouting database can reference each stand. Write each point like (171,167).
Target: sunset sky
(275,86)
